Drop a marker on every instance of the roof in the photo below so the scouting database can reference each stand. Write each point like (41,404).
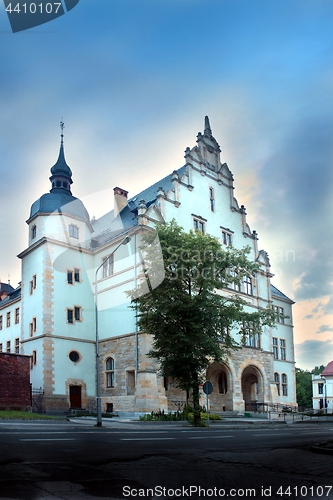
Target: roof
(276,293)
(328,370)
(108,227)
(59,201)
(61,167)
(6,287)
(13,295)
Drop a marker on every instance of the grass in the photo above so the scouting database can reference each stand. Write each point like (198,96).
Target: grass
(26,415)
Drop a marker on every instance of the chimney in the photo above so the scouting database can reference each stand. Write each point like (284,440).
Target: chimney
(120,200)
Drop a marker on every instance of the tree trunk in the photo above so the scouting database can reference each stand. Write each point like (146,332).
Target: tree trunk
(196,406)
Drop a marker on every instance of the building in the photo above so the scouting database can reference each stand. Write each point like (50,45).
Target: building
(322,390)
(15,393)
(55,304)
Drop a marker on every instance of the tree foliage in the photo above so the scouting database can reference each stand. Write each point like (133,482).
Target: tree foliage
(190,314)
(303,388)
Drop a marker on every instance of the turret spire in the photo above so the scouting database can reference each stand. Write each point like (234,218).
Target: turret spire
(61,177)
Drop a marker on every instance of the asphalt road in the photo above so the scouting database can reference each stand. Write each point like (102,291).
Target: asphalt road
(44,460)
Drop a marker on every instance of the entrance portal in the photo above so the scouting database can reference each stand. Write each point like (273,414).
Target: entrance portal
(75,397)
(252,388)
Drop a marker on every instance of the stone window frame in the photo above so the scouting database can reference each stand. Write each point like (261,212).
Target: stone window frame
(226,237)
(74,315)
(252,337)
(73,276)
(8,319)
(33,326)
(33,284)
(8,346)
(279,311)
(17,315)
(199,223)
(248,285)
(109,372)
(33,359)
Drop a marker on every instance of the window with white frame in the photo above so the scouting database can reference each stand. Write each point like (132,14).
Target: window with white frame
(108,266)
(73,231)
(74,314)
(109,372)
(275,348)
(277,382)
(320,388)
(284,384)
(73,276)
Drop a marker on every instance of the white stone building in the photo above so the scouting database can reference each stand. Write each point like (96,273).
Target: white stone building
(55,303)
(322,390)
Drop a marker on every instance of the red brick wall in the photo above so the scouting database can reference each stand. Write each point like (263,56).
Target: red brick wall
(14,381)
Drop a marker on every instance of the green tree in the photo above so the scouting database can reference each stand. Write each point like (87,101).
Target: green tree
(303,388)
(189,314)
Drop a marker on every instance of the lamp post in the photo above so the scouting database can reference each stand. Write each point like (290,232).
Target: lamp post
(325,392)
(126,240)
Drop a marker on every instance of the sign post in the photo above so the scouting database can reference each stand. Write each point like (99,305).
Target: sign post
(208,389)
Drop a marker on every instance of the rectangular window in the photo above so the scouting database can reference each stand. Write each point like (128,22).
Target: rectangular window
(17,346)
(199,225)
(77,313)
(211,199)
(279,314)
(1,322)
(284,384)
(251,335)
(33,232)
(8,346)
(283,349)
(33,284)
(70,316)
(275,348)
(248,285)
(33,359)
(108,263)
(17,315)
(77,275)
(8,319)
(70,277)
(73,231)
(226,238)
(320,388)
(1,347)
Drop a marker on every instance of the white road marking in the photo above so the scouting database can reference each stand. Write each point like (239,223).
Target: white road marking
(146,439)
(210,437)
(48,439)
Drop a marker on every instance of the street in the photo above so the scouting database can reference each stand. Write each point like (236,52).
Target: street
(72,460)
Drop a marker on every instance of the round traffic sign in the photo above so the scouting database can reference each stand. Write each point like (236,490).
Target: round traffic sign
(207,387)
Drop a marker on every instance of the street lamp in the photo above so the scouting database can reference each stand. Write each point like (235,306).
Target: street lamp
(126,240)
(325,392)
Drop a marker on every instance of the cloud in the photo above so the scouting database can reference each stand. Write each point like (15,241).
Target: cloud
(325,328)
(314,353)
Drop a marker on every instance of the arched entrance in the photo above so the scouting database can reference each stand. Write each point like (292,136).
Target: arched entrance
(252,388)
(221,398)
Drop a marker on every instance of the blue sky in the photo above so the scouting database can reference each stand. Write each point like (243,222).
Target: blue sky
(133,81)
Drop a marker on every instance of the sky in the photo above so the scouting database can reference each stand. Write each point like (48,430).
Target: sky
(133,80)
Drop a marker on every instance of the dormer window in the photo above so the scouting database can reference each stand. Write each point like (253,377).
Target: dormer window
(33,232)
(73,231)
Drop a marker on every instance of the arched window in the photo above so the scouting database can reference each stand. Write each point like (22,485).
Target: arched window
(109,372)
(277,382)
(222,383)
(284,382)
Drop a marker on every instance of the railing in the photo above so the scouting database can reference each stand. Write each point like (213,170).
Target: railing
(37,400)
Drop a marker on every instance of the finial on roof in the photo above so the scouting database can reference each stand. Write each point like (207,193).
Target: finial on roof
(208,130)
(62,126)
